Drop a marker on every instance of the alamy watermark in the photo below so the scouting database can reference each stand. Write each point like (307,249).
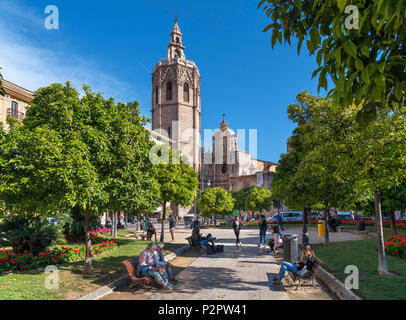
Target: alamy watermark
(351,281)
(52,281)
(52,20)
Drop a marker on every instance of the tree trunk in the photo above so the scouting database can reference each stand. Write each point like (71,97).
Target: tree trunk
(326,231)
(88,259)
(393,223)
(163,224)
(382,266)
(305,234)
(115,224)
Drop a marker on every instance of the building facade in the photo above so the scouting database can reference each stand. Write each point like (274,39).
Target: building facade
(14,103)
(176,104)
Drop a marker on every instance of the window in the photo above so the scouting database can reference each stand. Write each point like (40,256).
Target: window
(169,91)
(224,168)
(156,95)
(186,92)
(14,108)
(177,39)
(169,132)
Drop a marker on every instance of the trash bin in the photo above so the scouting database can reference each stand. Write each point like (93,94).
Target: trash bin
(290,248)
(320,225)
(360,226)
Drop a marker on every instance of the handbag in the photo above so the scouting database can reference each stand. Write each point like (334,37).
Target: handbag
(302,272)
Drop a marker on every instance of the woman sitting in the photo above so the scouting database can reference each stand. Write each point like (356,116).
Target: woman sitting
(276,241)
(306,262)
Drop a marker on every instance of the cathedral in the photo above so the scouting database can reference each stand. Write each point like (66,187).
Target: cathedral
(176,114)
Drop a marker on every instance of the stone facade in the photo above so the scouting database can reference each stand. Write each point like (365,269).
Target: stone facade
(176,104)
(15,102)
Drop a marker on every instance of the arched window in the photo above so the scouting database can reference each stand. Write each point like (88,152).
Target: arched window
(186,92)
(169,91)
(177,39)
(156,95)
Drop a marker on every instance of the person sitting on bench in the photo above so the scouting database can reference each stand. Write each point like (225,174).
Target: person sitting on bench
(147,268)
(198,240)
(276,241)
(151,231)
(159,260)
(306,262)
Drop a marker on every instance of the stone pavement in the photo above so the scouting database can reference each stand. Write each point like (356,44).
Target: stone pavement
(240,273)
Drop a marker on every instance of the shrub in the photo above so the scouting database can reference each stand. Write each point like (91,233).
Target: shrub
(27,234)
(10,261)
(396,246)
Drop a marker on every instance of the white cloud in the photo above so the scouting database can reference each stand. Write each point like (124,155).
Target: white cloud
(27,64)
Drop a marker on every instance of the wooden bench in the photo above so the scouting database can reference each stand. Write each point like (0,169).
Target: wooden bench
(131,266)
(309,276)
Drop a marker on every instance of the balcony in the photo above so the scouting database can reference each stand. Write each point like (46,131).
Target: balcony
(15,114)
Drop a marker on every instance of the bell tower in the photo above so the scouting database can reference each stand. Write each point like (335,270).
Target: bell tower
(176,107)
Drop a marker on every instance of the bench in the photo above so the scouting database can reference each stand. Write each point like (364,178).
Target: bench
(309,276)
(131,266)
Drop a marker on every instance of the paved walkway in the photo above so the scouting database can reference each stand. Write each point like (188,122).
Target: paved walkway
(240,273)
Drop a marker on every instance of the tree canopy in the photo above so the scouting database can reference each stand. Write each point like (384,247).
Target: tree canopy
(358,44)
(215,201)
(259,199)
(77,151)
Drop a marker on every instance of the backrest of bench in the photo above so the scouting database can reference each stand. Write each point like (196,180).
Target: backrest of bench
(131,266)
(313,270)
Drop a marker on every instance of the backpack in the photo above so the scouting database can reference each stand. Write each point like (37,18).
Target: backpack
(209,250)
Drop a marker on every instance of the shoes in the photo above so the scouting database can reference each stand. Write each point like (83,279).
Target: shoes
(167,286)
(240,244)
(259,246)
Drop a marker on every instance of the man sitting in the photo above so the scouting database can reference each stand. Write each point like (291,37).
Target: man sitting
(151,231)
(147,268)
(159,260)
(198,240)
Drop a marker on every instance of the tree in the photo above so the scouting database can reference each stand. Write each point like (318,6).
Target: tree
(215,201)
(377,161)
(240,197)
(394,199)
(98,156)
(259,199)
(178,181)
(320,130)
(365,61)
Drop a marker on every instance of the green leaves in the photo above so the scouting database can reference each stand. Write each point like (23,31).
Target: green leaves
(375,48)
(215,201)
(259,199)
(341,4)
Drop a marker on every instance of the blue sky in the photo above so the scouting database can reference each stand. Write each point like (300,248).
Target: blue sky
(114,45)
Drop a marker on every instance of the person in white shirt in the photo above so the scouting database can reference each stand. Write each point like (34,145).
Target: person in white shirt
(159,260)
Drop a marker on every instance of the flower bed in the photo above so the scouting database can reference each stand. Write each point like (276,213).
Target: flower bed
(10,261)
(396,246)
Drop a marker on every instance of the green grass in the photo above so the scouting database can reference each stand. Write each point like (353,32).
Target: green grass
(106,268)
(364,255)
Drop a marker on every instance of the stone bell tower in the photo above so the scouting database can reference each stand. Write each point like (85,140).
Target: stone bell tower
(176,108)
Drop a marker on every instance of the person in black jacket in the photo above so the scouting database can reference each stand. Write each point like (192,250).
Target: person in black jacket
(262,232)
(172,225)
(237,224)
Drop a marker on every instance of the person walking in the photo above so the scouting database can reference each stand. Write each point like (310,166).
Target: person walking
(237,224)
(279,220)
(262,232)
(172,225)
